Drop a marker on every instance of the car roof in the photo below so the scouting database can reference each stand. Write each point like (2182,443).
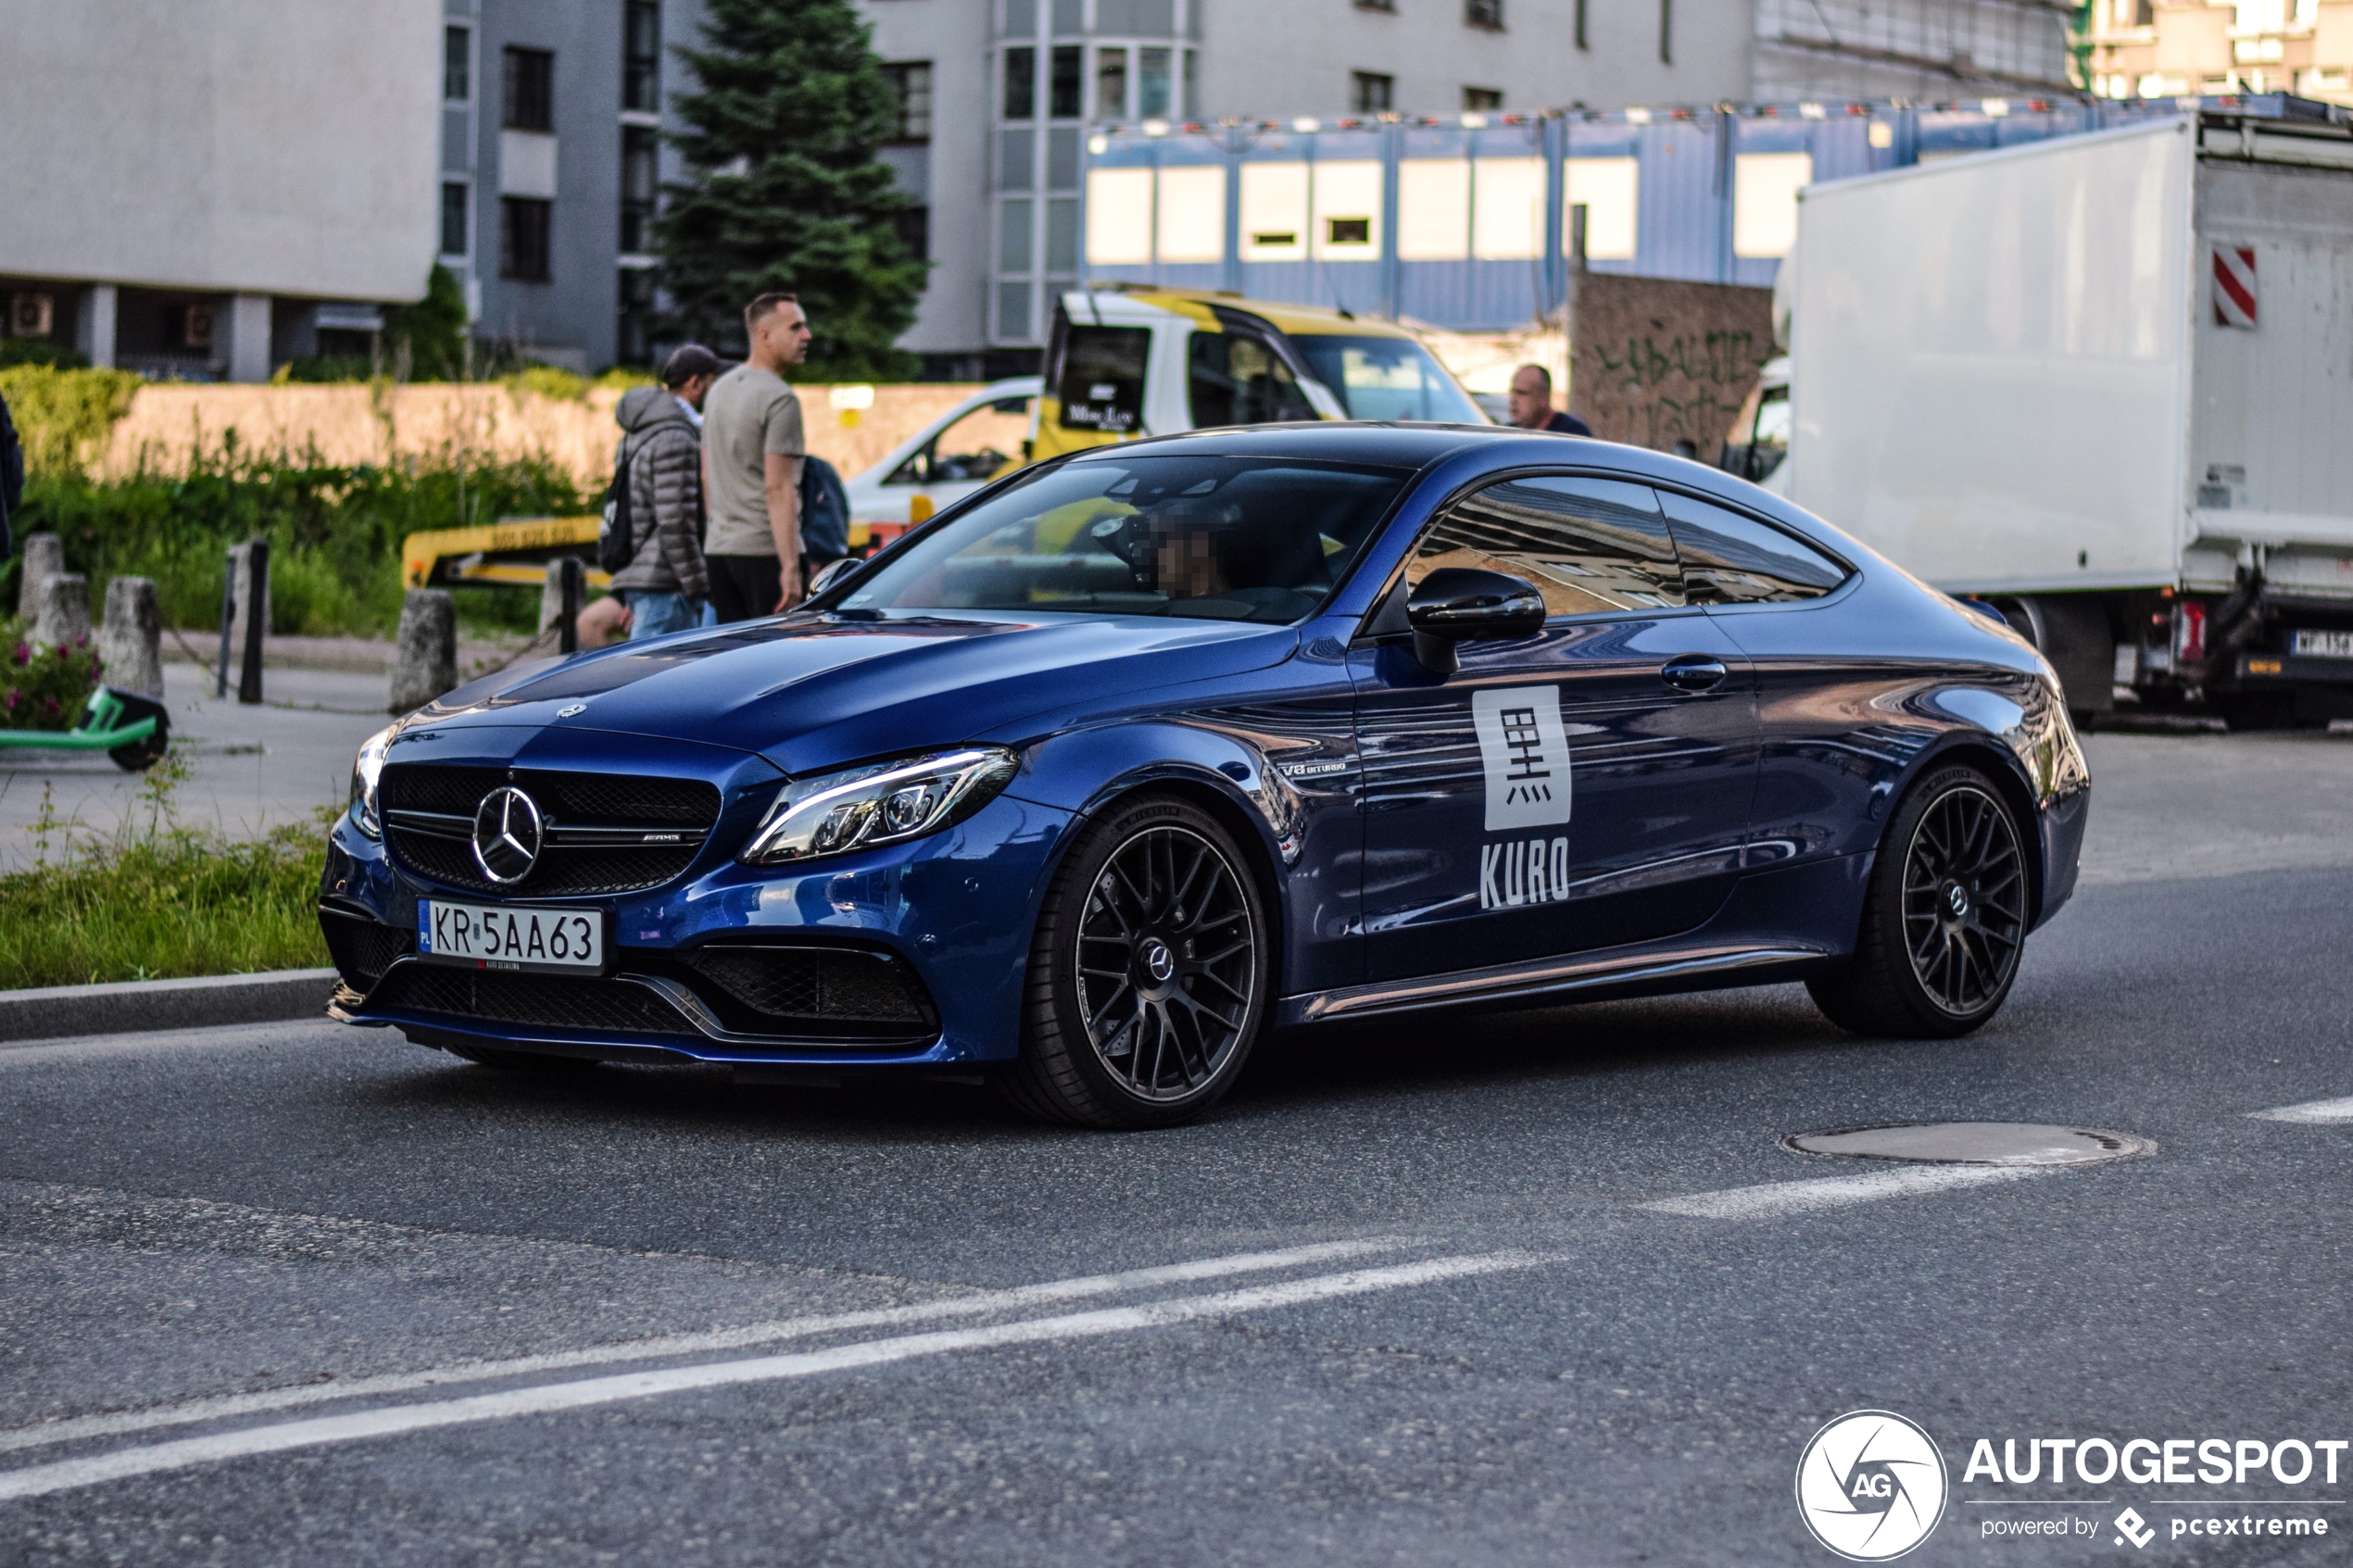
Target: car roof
(1336,440)
(1413,445)
(1310,321)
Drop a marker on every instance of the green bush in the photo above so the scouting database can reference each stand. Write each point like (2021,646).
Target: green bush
(335,534)
(63,416)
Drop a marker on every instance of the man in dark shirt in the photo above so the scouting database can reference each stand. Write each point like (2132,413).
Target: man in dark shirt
(1532,404)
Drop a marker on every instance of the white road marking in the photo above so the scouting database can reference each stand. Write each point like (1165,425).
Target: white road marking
(1830,1192)
(2313,1112)
(583,1393)
(979,1303)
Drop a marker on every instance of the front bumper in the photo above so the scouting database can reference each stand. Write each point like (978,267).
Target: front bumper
(912,955)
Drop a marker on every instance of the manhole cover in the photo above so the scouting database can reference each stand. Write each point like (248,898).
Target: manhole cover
(1973,1142)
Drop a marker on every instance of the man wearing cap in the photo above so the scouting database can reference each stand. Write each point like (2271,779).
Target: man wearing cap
(1532,404)
(666,579)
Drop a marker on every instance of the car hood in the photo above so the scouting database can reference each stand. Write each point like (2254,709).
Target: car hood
(816,692)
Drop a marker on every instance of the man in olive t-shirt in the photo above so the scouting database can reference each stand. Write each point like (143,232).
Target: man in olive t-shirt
(753,448)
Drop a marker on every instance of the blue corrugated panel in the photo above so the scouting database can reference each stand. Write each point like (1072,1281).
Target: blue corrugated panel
(1682,192)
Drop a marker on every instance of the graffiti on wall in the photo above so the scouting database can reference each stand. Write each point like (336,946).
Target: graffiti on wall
(1661,362)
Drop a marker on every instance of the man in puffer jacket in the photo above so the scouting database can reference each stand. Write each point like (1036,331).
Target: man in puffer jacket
(666,581)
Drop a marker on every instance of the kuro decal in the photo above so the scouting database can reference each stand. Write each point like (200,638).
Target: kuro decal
(1525,756)
(1533,870)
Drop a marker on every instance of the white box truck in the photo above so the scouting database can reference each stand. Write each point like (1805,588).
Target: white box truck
(2105,381)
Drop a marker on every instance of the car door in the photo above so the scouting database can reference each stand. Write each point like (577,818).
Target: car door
(1586,788)
(1824,742)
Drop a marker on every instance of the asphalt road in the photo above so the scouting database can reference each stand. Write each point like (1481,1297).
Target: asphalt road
(299,1295)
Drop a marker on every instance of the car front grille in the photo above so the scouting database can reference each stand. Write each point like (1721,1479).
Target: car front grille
(817,987)
(546,1001)
(361,948)
(842,995)
(589,818)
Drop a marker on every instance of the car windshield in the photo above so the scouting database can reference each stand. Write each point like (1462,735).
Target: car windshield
(1215,538)
(1387,378)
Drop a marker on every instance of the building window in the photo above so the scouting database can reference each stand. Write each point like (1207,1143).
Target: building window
(531,90)
(635,344)
(1192,84)
(457,64)
(911,80)
(637,185)
(1021,83)
(913,224)
(522,238)
(641,56)
(1477,100)
(1483,12)
(454,202)
(1111,83)
(1151,84)
(1666,31)
(1066,83)
(1389,6)
(1371,92)
(1580,26)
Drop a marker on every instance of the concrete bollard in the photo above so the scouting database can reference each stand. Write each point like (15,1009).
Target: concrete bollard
(241,586)
(425,664)
(130,638)
(44,557)
(65,611)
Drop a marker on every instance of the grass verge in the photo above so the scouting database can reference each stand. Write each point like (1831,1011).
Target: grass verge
(159,900)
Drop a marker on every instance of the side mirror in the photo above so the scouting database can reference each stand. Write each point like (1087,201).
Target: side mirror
(1458,605)
(832,572)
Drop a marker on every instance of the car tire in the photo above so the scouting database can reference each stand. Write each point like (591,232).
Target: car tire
(520,1061)
(1945,916)
(1149,973)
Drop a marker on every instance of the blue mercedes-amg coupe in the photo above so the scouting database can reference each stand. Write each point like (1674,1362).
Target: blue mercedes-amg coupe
(1089,782)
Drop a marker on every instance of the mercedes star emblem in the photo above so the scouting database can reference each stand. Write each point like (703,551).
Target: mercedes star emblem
(508,834)
(571,711)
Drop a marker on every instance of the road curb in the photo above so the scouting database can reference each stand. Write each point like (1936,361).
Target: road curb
(49,1011)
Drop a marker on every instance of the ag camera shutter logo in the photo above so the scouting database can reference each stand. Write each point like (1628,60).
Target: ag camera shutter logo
(1872,1486)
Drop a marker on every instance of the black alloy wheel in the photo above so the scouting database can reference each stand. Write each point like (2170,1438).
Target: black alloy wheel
(1964,900)
(1148,975)
(1944,920)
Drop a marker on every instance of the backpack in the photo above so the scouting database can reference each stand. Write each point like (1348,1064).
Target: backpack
(824,511)
(617,536)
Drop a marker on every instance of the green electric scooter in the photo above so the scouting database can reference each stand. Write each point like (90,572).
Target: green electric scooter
(131,729)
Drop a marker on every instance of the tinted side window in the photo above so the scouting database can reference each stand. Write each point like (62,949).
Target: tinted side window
(1102,377)
(1238,380)
(1731,559)
(1589,545)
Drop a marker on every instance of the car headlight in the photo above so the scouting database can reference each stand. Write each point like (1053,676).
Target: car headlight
(366,769)
(883,803)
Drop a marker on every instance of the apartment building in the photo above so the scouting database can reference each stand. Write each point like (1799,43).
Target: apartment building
(552,159)
(2170,48)
(192,190)
(1009,88)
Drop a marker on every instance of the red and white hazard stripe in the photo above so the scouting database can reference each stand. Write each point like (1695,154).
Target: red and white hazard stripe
(2234,285)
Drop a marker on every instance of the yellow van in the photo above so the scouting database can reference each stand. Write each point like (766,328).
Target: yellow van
(1132,362)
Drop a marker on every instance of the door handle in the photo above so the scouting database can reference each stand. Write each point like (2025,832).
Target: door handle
(1692,673)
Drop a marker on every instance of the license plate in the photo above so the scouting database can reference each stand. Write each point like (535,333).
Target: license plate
(485,937)
(2324,644)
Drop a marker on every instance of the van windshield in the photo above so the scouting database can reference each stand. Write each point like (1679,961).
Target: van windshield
(1386,378)
(1206,537)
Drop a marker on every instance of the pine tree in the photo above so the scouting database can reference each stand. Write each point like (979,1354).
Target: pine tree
(786,194)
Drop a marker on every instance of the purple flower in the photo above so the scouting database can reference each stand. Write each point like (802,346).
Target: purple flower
(24,653)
